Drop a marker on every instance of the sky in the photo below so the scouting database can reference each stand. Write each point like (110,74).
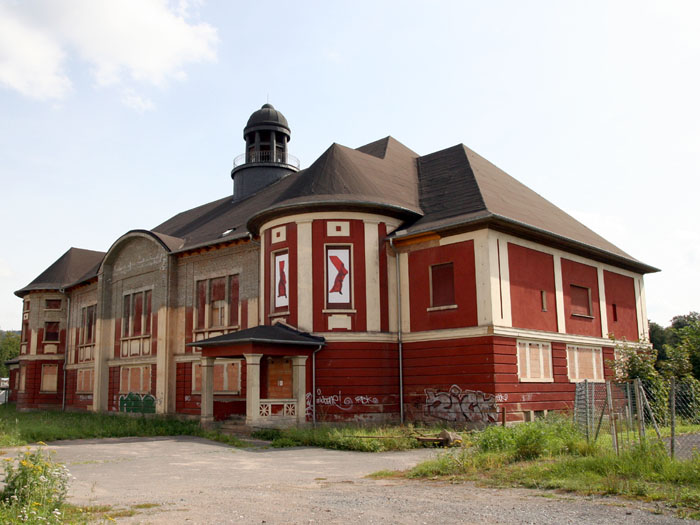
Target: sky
(118,115)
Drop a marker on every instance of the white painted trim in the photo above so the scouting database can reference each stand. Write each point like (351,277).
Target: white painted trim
(559,294)
(644,332)
(305,298)
(373,309)
(390,222)
(507,319)
(391,287)
(263,278)
(405,294)
(602,303)
(41,357)
(483,273)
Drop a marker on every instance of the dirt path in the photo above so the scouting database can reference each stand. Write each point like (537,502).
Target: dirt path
(191,480)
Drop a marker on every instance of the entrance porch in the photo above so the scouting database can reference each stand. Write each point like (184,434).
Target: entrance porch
(276,359)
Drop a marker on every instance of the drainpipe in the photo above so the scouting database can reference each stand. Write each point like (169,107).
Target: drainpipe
(399,333)
(313,381)
(65,353)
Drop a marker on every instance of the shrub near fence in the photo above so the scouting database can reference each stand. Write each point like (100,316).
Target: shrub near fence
(625,413)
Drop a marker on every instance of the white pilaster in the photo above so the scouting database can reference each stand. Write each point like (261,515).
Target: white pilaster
(207,397)
(372,276)
(603,303)
(485,282)
(299,383)
(559,294)
(252,391)
(305,299)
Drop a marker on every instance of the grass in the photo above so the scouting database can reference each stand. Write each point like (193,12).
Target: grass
(20,428)
(348,437)
(553,455)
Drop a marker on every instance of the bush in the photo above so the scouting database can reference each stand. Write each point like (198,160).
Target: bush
(495,439)
(35,488)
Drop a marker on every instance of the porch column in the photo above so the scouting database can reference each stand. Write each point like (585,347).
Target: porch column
(252,388)
(299,385)
(207,402)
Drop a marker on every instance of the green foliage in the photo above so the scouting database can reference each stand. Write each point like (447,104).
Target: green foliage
(9,349)
(347,437)
(35,489)
(509,457)
(19,428)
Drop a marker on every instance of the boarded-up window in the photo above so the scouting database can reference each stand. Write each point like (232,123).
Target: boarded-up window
(53,304)
(135,379)
(87,332)
(226,377)
(580,300)
(217,303)
(51,330)
(25,331)
(49,378)
(535,361)
(22,378)
(585,362)
(136,319)
(27,304)
(84,381)
(442,284)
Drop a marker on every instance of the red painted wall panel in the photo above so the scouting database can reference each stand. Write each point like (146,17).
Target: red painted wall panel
(578,274)
(621,306)
(289,244)
(531,273)
(419,263)
(357,240)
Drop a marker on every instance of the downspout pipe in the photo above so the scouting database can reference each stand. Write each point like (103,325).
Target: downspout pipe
(313,381)
(399,333)
(65,353)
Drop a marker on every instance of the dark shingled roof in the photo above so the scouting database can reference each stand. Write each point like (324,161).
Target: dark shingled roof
(450,189)
(72,267)
(276,334)
(458,187)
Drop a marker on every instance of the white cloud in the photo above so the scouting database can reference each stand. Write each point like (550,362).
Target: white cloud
(135,101)
(123,43)
(30,60)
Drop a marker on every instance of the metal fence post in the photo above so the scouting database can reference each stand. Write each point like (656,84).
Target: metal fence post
(611,411)
(640,408)
(672,399)
(588,411)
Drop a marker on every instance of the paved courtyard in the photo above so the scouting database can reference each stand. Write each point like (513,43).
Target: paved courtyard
(191,480)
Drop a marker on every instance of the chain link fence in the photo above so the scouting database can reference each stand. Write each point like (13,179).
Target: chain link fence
(621,414)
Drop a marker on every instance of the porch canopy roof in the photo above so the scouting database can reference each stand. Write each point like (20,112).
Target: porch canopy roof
(278,339)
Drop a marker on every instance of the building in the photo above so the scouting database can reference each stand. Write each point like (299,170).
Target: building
(375,285)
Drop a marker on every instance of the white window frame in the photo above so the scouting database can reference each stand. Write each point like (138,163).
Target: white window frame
(545,352)
(598,366)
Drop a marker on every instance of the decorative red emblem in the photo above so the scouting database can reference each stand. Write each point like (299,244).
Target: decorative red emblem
(282,286)
(340,277)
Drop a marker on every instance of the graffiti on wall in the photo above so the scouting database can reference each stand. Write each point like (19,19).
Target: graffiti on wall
(139,403)
(461,406)
(344,402)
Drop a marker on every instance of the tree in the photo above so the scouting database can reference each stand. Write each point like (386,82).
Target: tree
(9,349)
(689,343)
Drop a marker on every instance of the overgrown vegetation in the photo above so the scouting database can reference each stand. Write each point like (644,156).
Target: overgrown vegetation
(552,454)
(682,335)
(350,437)
(20,428)
(9,349)
(35,489)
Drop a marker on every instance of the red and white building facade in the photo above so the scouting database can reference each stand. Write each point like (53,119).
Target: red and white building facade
(376,285)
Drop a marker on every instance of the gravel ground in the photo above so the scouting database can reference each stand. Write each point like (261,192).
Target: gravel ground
(191,480)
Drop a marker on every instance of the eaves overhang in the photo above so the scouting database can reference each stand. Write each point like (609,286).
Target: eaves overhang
(521,229)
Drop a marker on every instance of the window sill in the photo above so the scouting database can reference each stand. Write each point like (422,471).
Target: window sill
(525,380)
(47,342)
(339,311)
(583,316)
(589,380)
(134,337)
(216,329)
(278,314)
(440,308)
